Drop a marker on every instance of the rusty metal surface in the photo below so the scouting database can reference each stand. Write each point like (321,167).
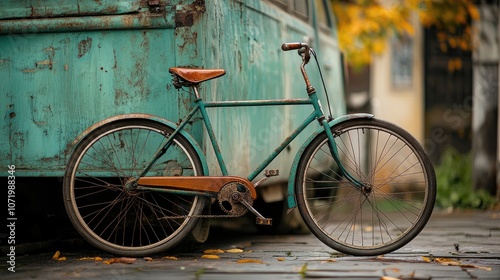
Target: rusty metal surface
(43,9)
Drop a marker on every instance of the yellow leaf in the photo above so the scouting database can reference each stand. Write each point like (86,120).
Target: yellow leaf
(90,259)
(426,259)
(475,266)
(214,251)
(473,11)
(170,258)
(61,259)
(56,255)
(120,260)
(211,257)
(280,259)
(234,251)
(250,261)
(389,278)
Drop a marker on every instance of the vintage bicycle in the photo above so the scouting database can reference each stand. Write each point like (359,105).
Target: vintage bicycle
(362,185)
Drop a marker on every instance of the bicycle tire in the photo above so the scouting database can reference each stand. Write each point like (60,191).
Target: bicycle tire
(123,222)
(386,215)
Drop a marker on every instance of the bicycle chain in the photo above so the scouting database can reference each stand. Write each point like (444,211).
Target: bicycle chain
(200,216)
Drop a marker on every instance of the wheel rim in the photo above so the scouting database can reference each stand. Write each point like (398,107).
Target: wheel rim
(386,209)
(122,219)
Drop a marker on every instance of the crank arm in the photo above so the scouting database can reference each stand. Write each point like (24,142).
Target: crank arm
(260,220)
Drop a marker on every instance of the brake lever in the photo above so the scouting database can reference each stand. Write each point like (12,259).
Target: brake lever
(305,54)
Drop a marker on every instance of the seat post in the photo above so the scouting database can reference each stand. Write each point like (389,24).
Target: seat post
(195,87)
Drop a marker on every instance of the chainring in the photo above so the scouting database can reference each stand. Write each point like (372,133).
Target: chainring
(229,197)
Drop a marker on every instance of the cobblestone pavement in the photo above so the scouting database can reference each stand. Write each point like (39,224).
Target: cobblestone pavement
(452,246)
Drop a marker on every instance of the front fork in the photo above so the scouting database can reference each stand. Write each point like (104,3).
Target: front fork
(335,154)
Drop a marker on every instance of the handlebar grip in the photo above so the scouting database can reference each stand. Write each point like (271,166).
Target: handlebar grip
(292,46)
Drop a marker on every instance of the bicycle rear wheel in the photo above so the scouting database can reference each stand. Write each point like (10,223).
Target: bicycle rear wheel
(130,222)
(390,211)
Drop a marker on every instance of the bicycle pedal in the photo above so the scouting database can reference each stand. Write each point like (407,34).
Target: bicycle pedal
(271,172)
(263,221)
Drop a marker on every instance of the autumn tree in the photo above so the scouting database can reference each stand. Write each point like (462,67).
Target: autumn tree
(365,25)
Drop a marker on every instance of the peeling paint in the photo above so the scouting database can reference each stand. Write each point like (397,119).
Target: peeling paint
(189,14)
(29,70)
(44,64)
(84,47)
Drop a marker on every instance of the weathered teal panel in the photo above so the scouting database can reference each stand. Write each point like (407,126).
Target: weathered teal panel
(245,40)
(61,72)
(72,80)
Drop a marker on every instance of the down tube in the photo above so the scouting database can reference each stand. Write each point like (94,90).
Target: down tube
(283,145)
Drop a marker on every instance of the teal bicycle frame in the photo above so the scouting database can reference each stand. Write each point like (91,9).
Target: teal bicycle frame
(317,114)
(202,106)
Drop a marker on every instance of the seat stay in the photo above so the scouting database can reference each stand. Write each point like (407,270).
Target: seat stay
(162,150)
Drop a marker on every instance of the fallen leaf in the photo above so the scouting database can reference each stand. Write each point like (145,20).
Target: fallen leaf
(90,259)
(234,251)
(212,257)
(280,259)
(389,278)
(61,259)
(56,255)
(250,261)
(451,262)
(426,259)
(170,258)
(214,251)
(475,266)
(120,260)
(148,259)
(446,261)
(331,260)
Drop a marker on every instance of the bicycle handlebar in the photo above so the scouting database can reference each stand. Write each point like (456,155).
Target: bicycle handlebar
(305,53)
(292,46)
(304,50)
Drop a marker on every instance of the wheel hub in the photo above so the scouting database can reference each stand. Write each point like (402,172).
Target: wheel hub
(366,189)
(130,186)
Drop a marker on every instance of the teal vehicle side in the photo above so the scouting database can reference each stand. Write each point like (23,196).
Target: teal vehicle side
(67,64)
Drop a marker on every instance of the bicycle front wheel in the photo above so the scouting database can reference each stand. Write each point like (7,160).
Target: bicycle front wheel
(397,194)
(130,222)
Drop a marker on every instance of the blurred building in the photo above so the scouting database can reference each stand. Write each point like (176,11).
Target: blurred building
(443,99)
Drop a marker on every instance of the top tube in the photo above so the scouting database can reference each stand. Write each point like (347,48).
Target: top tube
(269,102)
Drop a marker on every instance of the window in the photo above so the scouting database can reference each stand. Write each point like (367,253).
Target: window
(402,61)
(322,14)
(299,8)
